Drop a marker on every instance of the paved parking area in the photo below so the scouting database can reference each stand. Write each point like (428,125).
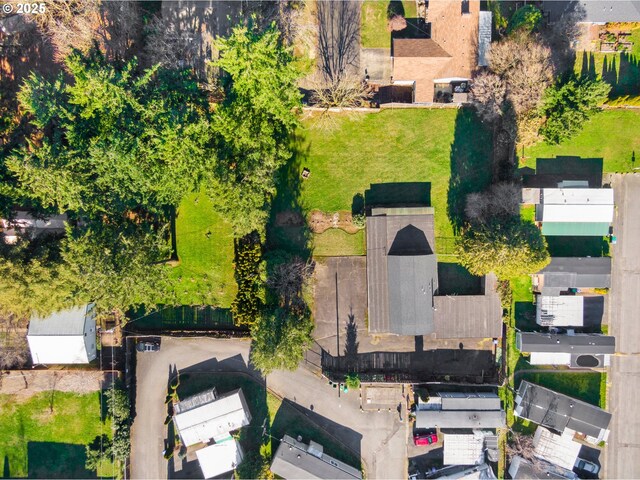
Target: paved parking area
(380,437)
(623,449)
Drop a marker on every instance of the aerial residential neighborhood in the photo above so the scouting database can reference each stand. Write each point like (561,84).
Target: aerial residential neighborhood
(320,239)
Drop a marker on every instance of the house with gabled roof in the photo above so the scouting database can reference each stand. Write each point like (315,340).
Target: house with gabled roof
(564,273)
(561,413)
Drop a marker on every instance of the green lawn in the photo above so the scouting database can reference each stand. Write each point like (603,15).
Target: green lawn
(374,21)
(205,250)
(336,242)
(412,145)
(37,442)
(580,385)
(611,134)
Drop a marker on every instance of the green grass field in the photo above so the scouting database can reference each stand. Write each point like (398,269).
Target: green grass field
(334,242)
(374,20)
(396,146)
(580,385)
(205,249)
(611,134)
(38,442)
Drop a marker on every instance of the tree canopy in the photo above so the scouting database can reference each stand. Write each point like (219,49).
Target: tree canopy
(524,19)
(507,248)
(113,140)
(568,104)
(253,124)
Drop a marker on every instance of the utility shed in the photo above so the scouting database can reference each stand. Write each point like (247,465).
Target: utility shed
(561,413)
(402,274)
(219,458)
(205,416)
(64,337)
(560,311)
(297,460)
(564,273)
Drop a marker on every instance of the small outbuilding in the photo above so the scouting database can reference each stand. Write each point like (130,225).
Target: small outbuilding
(575,211)
(219,458)
(576,350)
(560,311)
(64,337)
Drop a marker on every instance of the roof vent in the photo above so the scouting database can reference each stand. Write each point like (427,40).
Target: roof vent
(299,438)
(315,449)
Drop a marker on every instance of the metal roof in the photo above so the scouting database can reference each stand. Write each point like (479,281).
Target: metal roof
(574,213)
(519,468)
(559,450)
(577,196)
(219,458)
(589,343)
(201,418)
(557,411)
(297,460)
(576,229)
(484,37)
(560,311)
(595,11)
(63,322)
(577,272)
(463,449)
(469,401)
(460,419)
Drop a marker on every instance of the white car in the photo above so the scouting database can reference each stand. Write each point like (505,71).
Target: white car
(587,466)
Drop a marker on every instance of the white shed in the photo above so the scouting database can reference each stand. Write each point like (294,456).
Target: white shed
(560,311)
(219,458)
(64,337)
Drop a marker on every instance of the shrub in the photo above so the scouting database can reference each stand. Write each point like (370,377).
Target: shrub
(352,381)
(525,19)
(248,303)
(358,220)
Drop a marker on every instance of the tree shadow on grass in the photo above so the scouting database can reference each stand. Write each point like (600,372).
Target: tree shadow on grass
(454,279)
(470,161)
(57,460)
(525,316)
(577,246)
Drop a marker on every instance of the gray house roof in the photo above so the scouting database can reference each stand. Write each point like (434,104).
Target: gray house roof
(587,343)
(297,460)
(595,11)
(579,272)
(401,271)
(557,411)
(64,322)
(460,419)
(469,401)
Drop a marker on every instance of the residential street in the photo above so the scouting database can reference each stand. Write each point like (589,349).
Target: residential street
(623,449)
(383,443)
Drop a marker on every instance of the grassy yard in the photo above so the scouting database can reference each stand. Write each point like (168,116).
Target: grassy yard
(205,249)
(374,19)
(611,134)
(446,148)
(40,442)
(580,385)
(334,242)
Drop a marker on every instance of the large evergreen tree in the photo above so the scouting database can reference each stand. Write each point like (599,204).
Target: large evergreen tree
(254,123)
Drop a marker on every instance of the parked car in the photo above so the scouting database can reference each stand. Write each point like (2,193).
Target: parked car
(425,438)
(587,466)
(148,346)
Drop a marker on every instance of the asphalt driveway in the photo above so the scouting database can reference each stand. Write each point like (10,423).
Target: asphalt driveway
(623,449)
(380,436)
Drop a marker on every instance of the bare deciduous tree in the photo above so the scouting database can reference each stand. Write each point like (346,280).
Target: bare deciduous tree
(522,445)
(488,95)
(288,280)
(120,27)
(524,63)
(338,37)
(346,92)
(13,342)
(501,200)
(168,45)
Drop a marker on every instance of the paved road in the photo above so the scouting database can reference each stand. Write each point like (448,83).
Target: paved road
(622,455)
(380,437)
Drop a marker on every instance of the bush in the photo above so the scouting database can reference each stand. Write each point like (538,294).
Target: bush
(248,303)
(352,381)
(525,19)
(358,220)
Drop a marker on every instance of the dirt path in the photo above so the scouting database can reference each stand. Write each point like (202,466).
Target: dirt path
(26,383)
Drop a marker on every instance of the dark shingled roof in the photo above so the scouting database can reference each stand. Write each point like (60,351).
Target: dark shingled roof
(297,460)
(557,411)
(417,47)
(577,272)
(401,272)
(585,343)
(596,11)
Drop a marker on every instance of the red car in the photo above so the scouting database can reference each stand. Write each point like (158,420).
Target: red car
(426,438)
